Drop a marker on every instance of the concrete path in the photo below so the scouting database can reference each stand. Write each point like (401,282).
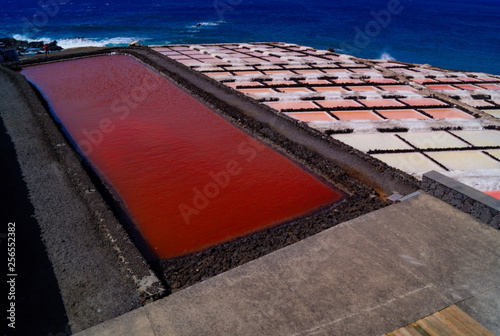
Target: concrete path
(368,276)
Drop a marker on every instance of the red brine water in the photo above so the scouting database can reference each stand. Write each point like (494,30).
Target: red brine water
(187,178)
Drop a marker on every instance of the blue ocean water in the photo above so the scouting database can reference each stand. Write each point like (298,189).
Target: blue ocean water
(455,34)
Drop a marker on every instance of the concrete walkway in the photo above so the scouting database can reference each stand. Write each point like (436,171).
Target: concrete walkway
(368,276)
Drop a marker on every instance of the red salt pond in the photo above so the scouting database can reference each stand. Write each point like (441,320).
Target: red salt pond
(495,194)
(187,178)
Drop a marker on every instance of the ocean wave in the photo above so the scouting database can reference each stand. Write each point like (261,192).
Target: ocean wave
(78,42)
(201,25)
(86,42)
(20,37)
(386,57)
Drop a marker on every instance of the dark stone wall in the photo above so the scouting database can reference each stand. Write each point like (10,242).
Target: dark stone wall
(479,205)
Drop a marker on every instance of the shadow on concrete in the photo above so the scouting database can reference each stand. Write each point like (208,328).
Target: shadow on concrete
(38,302)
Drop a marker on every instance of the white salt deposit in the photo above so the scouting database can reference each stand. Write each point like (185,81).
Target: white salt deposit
(367,142)
(480,138)
(465,160)
(413,163)
(437,139)
(480,179)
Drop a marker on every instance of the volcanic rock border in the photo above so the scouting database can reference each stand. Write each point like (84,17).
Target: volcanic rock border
(365,180)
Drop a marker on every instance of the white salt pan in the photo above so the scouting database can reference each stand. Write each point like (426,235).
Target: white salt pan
(366,142)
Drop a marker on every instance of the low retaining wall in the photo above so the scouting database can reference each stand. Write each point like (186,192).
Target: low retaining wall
(478,204)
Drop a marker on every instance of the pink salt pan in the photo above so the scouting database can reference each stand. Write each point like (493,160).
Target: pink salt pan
(329,89)
(240,73)
(366,70)
(448,80)
(490,79)
(295,66)
(168,53)
(312,58)
(311,116)
(178,57)
(490,86)
(423,80)
(191,52)
(209,60)
(295,105)
(278,72)
(181,48)
(469,79)
(469,87)
(235,84)
(402,114)
(357,65)
(203,56)
(251,60)
(334,58)
(356,115)
(191,62)
(441,87)
(163,49)
(254,91)
(423,102)
(447,113)
(272,59)
(337,71)
(315,82)
(362,88)
(381,103)
(321,66)
(312,71)
(296,89)
(397,88)
(213,74)
(338,103)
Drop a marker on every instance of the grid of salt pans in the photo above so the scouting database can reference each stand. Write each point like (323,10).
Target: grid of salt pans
(311,85)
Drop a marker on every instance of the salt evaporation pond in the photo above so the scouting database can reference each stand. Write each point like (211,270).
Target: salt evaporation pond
(187,178)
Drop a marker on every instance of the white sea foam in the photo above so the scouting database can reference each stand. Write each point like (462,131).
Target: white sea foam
(386,57)
(82,41)
(85,42)
(201,25)
(20,37)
